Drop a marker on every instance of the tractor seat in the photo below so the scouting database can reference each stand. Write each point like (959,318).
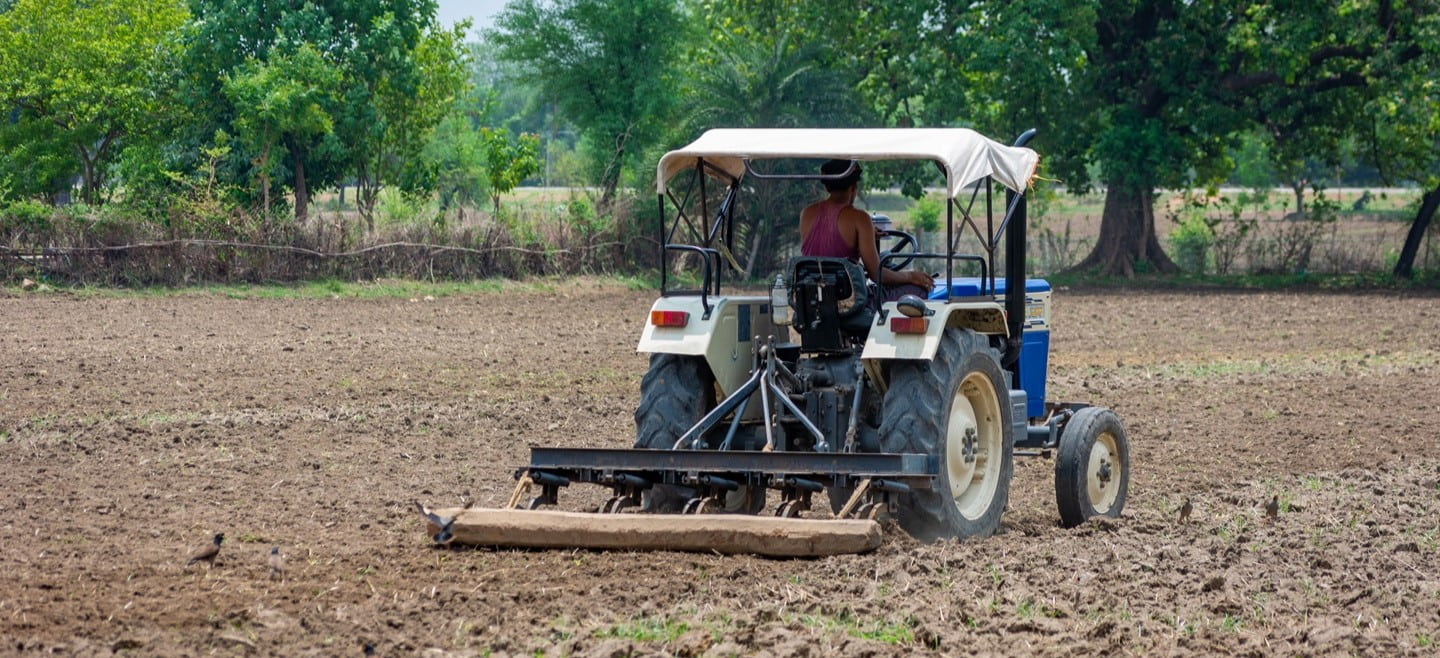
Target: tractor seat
(831,302)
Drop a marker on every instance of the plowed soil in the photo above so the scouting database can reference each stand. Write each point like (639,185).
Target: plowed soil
(132,429)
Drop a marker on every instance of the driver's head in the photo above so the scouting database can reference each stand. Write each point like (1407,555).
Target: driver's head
(837,167)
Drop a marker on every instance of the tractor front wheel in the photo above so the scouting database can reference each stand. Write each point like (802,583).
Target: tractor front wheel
(1092,466)
(955,407)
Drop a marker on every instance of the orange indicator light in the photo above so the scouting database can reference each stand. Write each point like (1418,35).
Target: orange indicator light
(669,318)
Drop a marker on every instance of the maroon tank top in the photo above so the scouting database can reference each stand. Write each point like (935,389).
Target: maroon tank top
(823,240)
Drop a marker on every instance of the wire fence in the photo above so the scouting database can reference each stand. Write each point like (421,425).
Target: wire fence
(187,261)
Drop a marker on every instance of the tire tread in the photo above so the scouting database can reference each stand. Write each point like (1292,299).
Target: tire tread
(912,422)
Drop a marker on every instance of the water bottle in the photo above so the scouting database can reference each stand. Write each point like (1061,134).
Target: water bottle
(780,302)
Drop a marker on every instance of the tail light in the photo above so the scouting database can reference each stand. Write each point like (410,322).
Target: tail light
(909,325)
(669,318)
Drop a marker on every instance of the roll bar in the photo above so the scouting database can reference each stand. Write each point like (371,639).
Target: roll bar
(1012,226)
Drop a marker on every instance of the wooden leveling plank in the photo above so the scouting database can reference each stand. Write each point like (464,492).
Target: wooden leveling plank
(724,533)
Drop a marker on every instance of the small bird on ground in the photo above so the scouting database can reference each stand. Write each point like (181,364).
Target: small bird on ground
(208,553)
(277,563)
(444,523)
(369,649)
(1185,510)
(1272,508)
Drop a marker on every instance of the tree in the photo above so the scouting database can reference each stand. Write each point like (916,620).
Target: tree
(456,157)
(412,81)
(608,66)
(286,100)
(1403,120)
(84,75)
(1145,93)
(1321,76)
(1115,87)
(1276,82)
(765,83)
(763,80)
(508,162)
(1149,68)
(398,75)
(38,157)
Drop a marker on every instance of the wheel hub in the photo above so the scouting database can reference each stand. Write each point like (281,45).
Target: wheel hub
(968,447)
(1103,483)
(974,440)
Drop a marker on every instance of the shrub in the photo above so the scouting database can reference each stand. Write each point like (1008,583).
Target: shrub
(1190,243)
(925,215)
(25,219)
(396,208)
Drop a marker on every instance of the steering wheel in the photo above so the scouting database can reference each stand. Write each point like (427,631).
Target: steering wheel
(905,243)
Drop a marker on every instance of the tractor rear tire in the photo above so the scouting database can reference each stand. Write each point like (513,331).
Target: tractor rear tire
(1092,466)
(955,407)
(676,392)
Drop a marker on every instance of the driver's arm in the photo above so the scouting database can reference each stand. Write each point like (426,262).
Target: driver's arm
(865,240)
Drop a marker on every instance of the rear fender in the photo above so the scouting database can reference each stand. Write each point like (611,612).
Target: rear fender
(725,338)
(983,317)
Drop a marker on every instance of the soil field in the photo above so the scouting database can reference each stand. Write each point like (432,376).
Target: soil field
(132,429)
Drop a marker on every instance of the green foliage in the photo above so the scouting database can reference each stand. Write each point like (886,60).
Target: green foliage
(412,99)
(580,213)
(457,156)
(204,204)
(646,629)
(385,75)
(765,84)
(24,218)
(506,162)
(286,99)
(148,188)
(77,78)
(609,68)
(1252,162)
(36,161)
(1190,243)
(925,215)
(889,632)
(395,207)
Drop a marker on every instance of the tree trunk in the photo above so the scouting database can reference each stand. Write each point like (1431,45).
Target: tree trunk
(302,195)
(1405,267)
(87,175)
(265,182)
(608,183)
(1127,236)
(754,253)
(91,173)
(610,178)
(366,193)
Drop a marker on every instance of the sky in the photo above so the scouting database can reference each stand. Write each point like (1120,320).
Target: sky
(481,12)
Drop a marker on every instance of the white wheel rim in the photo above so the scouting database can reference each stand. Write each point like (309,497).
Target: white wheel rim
(1102,474)
(973,445)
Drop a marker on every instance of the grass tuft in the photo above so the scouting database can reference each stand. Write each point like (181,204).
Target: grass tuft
(645,629)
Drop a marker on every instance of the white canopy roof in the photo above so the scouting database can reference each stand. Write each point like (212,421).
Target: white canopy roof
(967,156)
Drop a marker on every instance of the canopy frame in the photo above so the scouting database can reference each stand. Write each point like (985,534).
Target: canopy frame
(714,239)
(964,155)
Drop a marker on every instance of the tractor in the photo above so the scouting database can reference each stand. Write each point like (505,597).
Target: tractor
(815,390)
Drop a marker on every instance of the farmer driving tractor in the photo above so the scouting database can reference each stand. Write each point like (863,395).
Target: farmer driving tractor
(835,228)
